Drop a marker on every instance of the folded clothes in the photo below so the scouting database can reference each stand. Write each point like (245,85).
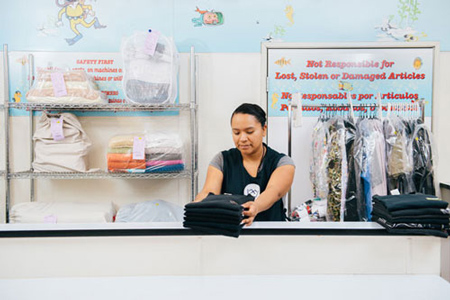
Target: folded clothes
(119,157)
(34,95)
(390,218)
(219,214)
(74,75)
(122,141)
(213,211)
(164,156)
(126,165)
(163,163)
(225,232)
(123,150)
(412,231)
(413,211)
(409,201)
(163,150)
(213,219)
(165,169)
(406,225)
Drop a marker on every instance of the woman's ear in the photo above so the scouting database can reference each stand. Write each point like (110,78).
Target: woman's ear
(264,130)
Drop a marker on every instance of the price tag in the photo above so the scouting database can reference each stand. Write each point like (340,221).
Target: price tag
(50,219)
(59,86)
(151,41)
(56,127)
(138,147)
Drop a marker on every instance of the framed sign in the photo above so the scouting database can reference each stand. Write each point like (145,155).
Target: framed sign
(384,74)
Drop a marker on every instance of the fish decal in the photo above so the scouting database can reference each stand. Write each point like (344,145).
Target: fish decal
(345,86)
(283,62)
(17,96)
(417,63)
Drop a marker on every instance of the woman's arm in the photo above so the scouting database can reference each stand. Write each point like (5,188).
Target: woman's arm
(213,183)
(279,184)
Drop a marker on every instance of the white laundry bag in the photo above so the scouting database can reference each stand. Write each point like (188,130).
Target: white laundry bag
(150,73)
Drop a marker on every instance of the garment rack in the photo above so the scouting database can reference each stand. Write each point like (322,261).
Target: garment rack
(376,106)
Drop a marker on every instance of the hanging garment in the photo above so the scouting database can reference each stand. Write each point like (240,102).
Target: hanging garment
(351,210)
(337,170)
(399,155)
(66,155)
(423,160)
(318,161)
(370,163)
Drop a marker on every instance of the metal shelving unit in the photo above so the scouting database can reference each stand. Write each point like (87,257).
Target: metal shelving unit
(97,175)
(100,107)
(123,107)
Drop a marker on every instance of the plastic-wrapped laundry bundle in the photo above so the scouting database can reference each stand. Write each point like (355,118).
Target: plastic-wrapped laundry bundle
(164,152)
(126,153)
(150,73)
(146,153)
(62,212)
(150,211)
(65,87)
(61,145)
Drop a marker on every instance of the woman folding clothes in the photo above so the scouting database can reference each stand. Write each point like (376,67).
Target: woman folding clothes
(252,168)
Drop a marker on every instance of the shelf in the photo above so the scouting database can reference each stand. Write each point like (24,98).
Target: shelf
(97,175)
(101,107)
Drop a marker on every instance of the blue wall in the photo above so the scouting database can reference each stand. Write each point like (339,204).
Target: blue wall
(31,25)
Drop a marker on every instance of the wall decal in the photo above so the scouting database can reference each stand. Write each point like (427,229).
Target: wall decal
(77,13)
(208,18)
(402,31)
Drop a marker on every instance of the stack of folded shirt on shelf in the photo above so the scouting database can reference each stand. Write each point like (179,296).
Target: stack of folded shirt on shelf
(163,153)
(120,155)
(412,214)
(219,214)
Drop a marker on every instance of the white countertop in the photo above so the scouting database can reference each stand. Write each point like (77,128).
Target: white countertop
(273,287)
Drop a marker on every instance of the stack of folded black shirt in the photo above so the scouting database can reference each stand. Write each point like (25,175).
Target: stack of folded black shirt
(412,214)
(219,214)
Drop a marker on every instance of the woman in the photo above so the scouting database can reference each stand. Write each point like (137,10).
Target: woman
(251,168)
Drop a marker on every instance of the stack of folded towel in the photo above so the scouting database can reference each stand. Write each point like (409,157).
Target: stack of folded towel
(120,155)
(412,214)
(219,214)
(79,87)
(163,153)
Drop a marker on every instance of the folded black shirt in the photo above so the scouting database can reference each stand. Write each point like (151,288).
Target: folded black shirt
(412,211)
(213,211)
(405,225)
(213,218)
(220,214)
(411,231)
(419,219)
(408,201)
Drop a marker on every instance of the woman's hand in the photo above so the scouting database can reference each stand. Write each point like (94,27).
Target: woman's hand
(251,209)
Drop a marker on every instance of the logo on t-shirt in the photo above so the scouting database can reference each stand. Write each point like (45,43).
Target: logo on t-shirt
(252,189)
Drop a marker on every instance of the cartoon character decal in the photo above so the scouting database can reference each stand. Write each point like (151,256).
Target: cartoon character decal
(77,13)
(208,18)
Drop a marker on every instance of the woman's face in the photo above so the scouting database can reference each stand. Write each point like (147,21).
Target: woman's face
(248,133)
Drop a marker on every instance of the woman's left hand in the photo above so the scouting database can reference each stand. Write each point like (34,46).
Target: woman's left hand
(251,209)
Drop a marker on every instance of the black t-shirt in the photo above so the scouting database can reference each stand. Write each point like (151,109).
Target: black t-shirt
(236,180)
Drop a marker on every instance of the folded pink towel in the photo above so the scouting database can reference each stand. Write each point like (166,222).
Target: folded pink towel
(152,163)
